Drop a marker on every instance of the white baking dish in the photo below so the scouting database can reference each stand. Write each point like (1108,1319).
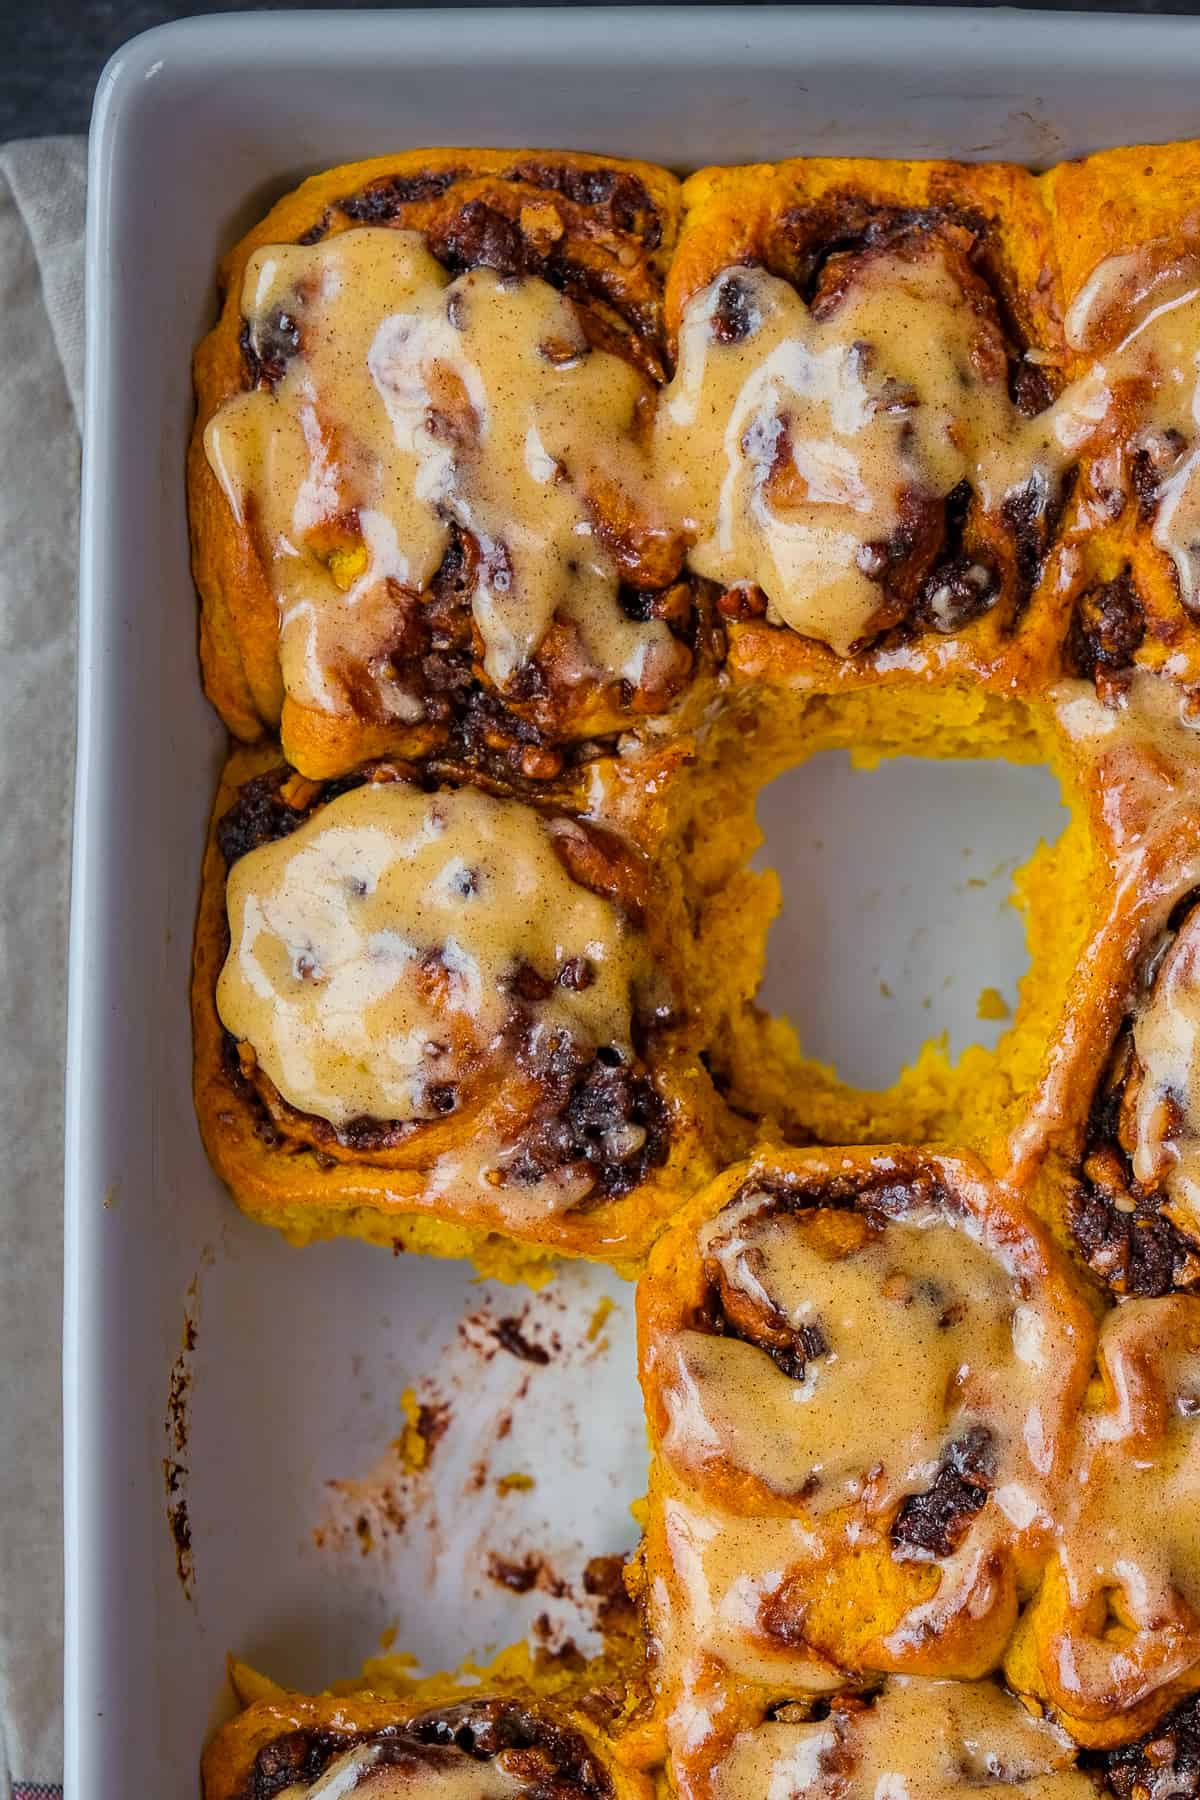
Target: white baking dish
(299,1358)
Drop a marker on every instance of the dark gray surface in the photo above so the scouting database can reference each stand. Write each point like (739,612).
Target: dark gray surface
(51,54)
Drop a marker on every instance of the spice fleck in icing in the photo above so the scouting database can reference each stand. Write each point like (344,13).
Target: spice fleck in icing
(929,1738)
(378,953)
(405,403)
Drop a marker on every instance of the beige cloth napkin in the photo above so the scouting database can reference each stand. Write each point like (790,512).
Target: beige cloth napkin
(41,373)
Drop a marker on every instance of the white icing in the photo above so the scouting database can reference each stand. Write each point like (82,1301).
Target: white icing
(373,951)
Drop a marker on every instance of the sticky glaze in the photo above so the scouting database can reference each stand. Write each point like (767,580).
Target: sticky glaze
(794,448)
(921,1738)
(801,454)
(383,1771)
(722,1578)
(410,401)
(797,447)
(923,1337)
(1138,315)
(1166,1109)
(1131,1528)
(375,953)
(1140,752)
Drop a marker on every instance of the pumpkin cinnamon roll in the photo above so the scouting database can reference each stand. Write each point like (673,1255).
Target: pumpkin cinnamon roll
(432,1000)
(858,434)
(422,506)
(860,1370)
(465,1744)
(1127,244)
(1111,1138)
(913,1736)
(1113,1640)
(1135,1211)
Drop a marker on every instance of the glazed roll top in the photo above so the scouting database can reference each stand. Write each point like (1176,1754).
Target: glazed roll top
(929,1738)
(812,446)
(1162,1091)
(1136,1213)
(395,406)
(378,952)
(598,227)
(1130,1532)
(862,1372)
(407,966)
(862,449)
(1134,326)
(793,1378)
(878,410)
(486,1749)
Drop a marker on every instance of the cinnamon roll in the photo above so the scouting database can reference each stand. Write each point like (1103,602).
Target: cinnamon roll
(422,506)
(1135,1211)
(1108,1142)
(1127,244)
(421,1002)
(856,428)
(933,1738)
(510,1745)
(861,1370)
(1112,1641)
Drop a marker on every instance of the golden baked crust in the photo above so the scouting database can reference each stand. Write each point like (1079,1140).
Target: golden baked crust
(601,229)
(1105,1139)
(936,1737)
(297,1172)
(1112,1641)
(776,1561)
(1126,607)
(550,1732)
(817,223)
